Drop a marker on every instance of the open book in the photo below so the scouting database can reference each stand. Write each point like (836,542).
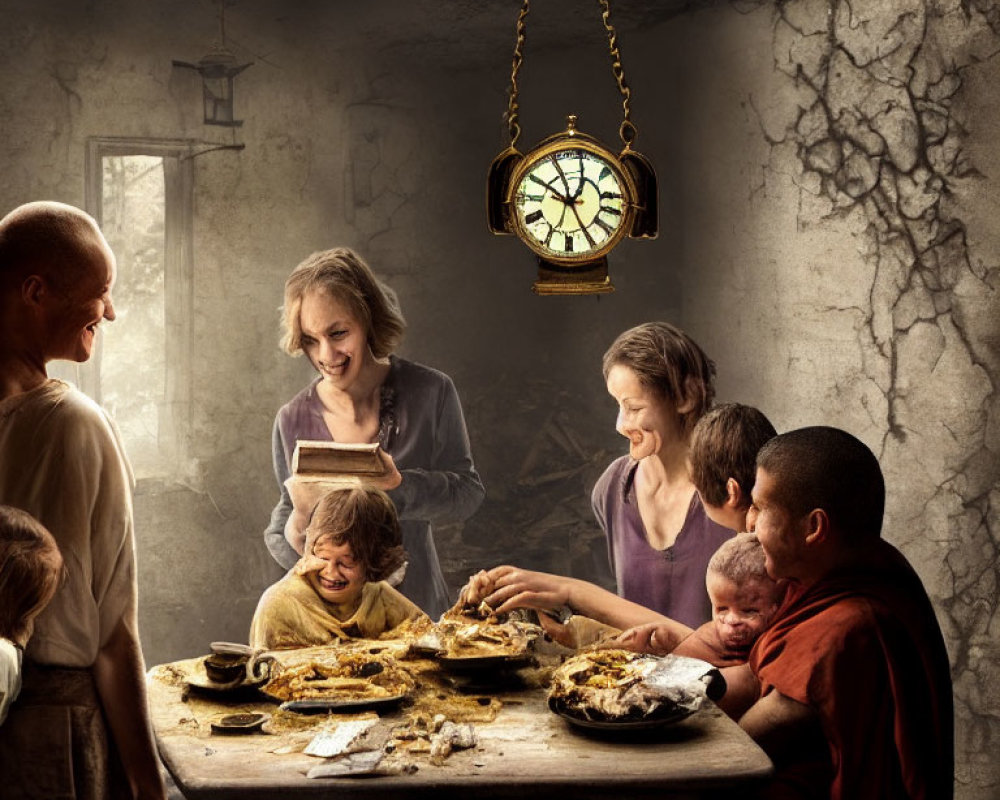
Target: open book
(337,461)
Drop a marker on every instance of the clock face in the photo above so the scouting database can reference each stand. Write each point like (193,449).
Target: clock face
(570,205)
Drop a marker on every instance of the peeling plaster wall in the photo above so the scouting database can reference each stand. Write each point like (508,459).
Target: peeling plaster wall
(829,234)
(861,282)
(859,275)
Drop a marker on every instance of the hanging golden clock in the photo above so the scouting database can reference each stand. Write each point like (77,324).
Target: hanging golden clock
(571,199)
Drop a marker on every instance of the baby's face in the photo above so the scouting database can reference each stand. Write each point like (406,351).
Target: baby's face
(741,612)
(341,580)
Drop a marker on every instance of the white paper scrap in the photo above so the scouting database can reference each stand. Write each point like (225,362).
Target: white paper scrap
(355,764)
(327,743)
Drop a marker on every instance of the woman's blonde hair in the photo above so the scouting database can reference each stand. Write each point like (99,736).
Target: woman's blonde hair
(345,275)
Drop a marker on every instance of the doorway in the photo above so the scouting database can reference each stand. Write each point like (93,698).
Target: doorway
(140,193)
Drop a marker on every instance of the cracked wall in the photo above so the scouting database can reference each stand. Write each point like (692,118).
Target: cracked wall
(829,233)
(871,298)
(881,135)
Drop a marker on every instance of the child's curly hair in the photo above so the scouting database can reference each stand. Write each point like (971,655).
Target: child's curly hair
(365,519)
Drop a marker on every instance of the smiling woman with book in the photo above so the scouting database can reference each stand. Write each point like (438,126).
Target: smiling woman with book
(348,324)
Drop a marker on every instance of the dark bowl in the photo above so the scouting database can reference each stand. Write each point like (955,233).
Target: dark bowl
(239,723)
(225,667)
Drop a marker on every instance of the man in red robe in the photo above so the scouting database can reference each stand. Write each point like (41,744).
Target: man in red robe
(855,696)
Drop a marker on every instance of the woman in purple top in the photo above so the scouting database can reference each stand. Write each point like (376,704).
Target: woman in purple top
(348,323)
(659,537)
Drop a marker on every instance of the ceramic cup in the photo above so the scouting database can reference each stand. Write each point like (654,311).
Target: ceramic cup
(226,667)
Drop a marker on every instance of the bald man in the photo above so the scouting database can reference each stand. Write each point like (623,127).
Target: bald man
(62,461)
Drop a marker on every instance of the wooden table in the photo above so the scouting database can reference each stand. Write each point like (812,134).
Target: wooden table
(525,752)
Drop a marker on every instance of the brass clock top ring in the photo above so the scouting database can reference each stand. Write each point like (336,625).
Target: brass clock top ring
(628,133)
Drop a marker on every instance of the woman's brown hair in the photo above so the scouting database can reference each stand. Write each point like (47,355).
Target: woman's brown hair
(670,363)
(364,519)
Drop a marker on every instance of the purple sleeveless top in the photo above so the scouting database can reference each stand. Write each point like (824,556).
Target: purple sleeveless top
(669,581)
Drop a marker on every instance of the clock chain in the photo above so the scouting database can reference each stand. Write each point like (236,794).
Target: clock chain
(627,130)
(513,127)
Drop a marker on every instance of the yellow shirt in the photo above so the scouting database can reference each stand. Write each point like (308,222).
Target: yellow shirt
(290,614)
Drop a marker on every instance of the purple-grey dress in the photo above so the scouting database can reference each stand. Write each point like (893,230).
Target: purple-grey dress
(422,427)
(669,581)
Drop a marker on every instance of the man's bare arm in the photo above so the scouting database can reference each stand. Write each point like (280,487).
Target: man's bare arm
(742,690)
(121,683)
(787,730)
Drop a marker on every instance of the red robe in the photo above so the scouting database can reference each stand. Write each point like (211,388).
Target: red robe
(864,650)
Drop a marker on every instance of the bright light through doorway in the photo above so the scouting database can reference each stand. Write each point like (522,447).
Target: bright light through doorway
(133,369)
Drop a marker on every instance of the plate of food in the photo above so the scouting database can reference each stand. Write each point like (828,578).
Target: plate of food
(202,683)
(624,726)
(227,673)
(618,690)
(330,678)
(471,638)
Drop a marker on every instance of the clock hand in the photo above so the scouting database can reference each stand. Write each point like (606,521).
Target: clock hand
(579,186)
(559,197)
(583,227)
(548,187)
(562,218)
(562,175)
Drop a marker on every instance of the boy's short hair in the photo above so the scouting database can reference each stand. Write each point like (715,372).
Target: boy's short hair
(365,519)
(828,468)
(724,445)
(30,570)
(740,559)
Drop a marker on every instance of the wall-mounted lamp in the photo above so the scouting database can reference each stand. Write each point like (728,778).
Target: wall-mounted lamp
(217,70)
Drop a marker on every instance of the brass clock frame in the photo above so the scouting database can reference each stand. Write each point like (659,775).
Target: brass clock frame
(568,141)
(586,273)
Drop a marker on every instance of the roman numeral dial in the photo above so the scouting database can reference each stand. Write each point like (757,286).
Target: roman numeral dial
(570,203)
